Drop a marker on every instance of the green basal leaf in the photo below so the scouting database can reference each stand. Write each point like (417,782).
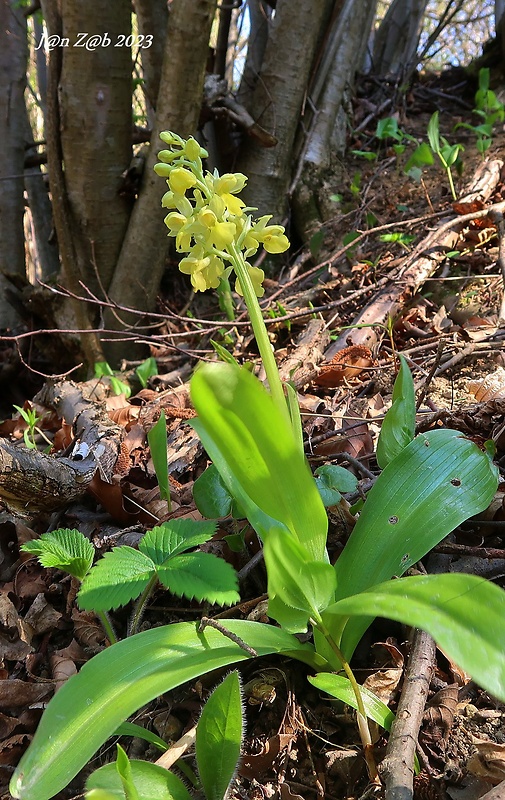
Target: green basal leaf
(115,683)
(219,738)
(421,157)
(65,548)
(102,368)
(124,772)
(210,494)
(157,438)
(132,729)
(295,582)
(340,687)
(399,424)
(175,536)
(332,481)
(433,133)
(120,387)
(150,781)
(223,353)
(437,481)
(387,128)
(146,370)
(259,459)
(463,613)
(201,576)
(120,576)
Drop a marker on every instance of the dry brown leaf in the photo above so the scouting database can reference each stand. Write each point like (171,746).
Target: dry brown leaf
(19,694)
(88,631)
(488,761)
(346,364)
(62,668)
(41,616)
(492,387)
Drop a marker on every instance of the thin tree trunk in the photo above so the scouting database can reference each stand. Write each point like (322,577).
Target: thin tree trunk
(152,18)
(259,20)
(278,99)
(142,261)
(95,122)
(397,39)
(13,58)
(343,56)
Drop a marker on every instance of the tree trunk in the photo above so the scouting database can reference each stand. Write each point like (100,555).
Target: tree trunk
(13,58)
(397,39)
(140,267)
(152,18)
(277,102)
(95,121)
(259,20)
(344,54)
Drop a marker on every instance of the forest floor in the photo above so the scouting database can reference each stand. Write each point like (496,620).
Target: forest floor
(446,322)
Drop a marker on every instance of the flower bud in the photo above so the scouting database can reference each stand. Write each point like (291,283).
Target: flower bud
(163,170)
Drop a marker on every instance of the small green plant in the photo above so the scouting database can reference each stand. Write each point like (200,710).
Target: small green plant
(218,742)
(447,153)
(489,108)
(146,370)
(30,416)
(126,574)
(428,486)
(403,239)
(102,369)
(157,439)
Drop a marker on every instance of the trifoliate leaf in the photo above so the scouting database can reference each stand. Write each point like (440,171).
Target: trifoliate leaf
(120,576)
(174,537)
(66,549)
(201,576)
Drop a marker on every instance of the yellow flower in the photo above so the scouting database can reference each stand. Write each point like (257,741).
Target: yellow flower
(222,234)
(180,180)
(257,276)
(230,183)
(205,271)
(272,237)
(175,222)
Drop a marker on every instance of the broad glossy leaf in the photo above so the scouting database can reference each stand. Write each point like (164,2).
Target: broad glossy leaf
(340,687)
(175,536)
(463,613)
(115,683)
(151,781)
(399,424)
(433,133)
(436,482)
(257,455)
(298,588)
(219,737)
(202,576)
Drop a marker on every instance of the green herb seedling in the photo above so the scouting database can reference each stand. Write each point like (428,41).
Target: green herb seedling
(218,743)
(146,370)
(124,574)
(403,239)
(69,550)
(489,108)
(29,415)
(102,369)
(447,153)
(157,439)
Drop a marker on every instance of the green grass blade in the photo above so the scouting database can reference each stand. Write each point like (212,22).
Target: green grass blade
(119,680)
(340,687)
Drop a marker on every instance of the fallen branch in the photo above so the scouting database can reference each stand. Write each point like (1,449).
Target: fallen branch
(419,265)
(397,768)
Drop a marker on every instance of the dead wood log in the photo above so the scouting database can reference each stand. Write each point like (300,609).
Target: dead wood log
(32,482)
(419,265)
(301,365)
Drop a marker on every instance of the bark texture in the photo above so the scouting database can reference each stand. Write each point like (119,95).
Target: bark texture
(277,101)
(95,121)
(140,267)
(13,56)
